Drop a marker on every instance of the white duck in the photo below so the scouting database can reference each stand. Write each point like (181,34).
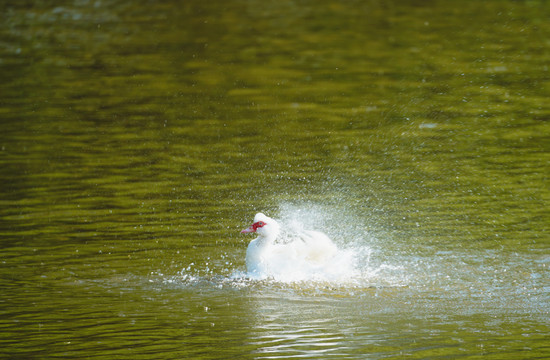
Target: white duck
(264,256)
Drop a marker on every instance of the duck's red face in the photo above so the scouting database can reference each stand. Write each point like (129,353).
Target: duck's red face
(254,227)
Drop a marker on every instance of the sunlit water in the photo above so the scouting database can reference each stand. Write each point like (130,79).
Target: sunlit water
(139,138)
(469,279)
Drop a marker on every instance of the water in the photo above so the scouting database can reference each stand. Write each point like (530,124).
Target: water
(139,138)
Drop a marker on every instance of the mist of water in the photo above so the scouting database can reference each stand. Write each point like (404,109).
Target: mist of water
(353,264)
(473,279)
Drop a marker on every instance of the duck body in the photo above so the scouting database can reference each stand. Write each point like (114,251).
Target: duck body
(259,249)
(315,246)
(257,257)
(266,257)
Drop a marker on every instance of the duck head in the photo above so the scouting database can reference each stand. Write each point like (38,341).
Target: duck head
(265,226)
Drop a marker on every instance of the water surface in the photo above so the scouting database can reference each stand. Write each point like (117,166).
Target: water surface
(139,138)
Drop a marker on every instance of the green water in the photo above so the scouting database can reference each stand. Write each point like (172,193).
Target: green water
(138,138)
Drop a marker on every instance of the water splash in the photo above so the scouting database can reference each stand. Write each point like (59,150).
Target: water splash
(351,266)
(476,280)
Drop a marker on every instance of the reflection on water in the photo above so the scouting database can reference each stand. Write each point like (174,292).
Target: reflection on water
(434,300)
(138,138)
(459,301)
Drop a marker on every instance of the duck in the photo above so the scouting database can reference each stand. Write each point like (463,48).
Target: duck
(265,256)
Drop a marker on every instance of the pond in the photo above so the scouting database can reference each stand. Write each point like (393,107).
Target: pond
(139,138)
